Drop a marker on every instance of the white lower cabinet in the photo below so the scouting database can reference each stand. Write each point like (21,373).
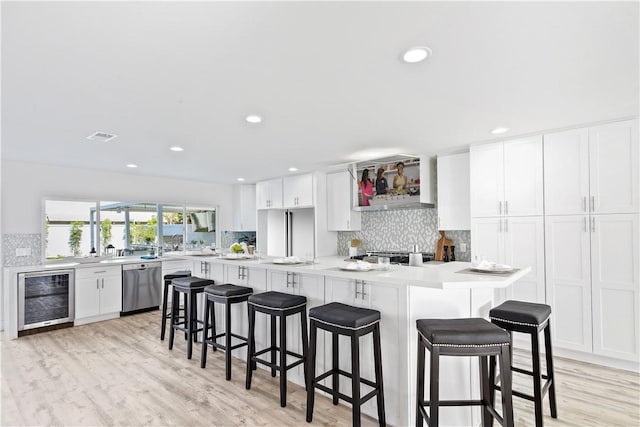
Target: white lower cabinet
(386,299)
(307,285)
(516,241)
(98,294)
(255,278)
(593,283)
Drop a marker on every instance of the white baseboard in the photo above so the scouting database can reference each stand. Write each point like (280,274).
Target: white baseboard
(97,318)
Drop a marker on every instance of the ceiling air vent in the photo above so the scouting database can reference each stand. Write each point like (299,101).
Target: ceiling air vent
(101,137)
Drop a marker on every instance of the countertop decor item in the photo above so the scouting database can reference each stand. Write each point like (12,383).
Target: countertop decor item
(442,242)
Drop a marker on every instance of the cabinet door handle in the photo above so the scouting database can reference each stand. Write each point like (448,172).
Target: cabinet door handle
(97,283)
(593,224)
(102,283)
(500,207)
(584,203)
(593,203)
(357,291)
(363,294)
(506,207)
(101,271)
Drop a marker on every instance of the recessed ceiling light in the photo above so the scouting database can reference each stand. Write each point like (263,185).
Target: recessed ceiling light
(498,131)
(176,148)
(240,179)
(131,165)
(253,118)
(101,136)
(416,54)
(293,169)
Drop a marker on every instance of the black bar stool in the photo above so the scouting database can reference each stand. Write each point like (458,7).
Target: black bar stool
(277,305)
(226,294)
(462,337)
(190,287)
(354,322)
(529,318)
(165,295)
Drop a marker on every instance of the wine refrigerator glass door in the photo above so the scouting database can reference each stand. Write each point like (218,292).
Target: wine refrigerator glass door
(45,298)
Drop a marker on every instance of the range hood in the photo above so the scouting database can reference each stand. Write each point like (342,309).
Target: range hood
(418,191)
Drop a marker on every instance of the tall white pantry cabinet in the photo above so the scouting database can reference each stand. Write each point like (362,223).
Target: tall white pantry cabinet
(567,203)
(592,230)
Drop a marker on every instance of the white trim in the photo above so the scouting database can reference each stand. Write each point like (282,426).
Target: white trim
(344,327)
(276,308)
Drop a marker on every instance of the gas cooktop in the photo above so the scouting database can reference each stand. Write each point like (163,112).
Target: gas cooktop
(395,257)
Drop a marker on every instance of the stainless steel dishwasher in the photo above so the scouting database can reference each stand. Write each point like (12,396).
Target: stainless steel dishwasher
(141,286)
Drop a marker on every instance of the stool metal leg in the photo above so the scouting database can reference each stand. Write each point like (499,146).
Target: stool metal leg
(305,346)
(252,345)
(549,357)
(165,295)
(273,344)
(434,388)
(205,337)
(355,379)
(505,386)
(311,371)
(227,336)
(335,377)
(377,356)
(283,361)
(420,383)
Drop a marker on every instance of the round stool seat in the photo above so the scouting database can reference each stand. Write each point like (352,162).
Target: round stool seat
(346,316)
(521,313)
(228,290)
(473,332)
(177,275)
(191,282)
(277,300)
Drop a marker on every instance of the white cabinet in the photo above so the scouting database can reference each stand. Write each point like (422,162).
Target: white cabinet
(307,285)
(516,241)
(387,299)
(592,170)
(269,194)
(613,167)
(340,213)
(244,208)
(298,191)
(593,283)
(506,178)
(453,192)
(98,293)
(208,270)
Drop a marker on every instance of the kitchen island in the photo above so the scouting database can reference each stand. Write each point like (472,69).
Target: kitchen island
(402,294)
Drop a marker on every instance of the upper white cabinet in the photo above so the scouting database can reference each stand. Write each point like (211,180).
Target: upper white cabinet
(506,178)
(244,208)
(340,213)
(269,194)
(453,192)
(298,191)
(613,167)
(592,170)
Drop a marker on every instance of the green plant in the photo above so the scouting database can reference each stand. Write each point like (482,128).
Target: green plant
(75,237)
(46,232)
(144,232)
(105,232)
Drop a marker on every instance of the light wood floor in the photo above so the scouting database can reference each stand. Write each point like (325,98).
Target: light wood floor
(118,372)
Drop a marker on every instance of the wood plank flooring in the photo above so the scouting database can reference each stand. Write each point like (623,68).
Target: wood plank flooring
(118,372)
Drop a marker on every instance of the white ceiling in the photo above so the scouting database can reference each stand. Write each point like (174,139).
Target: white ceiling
(326,76)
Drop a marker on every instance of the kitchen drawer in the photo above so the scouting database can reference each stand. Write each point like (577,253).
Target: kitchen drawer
(87,273)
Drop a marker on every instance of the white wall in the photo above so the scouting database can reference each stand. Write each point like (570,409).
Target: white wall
(25,185)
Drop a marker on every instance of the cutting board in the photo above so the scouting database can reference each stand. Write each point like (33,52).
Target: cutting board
(442,242)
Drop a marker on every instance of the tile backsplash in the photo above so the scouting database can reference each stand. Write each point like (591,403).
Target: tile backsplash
(399,230)
(12,242)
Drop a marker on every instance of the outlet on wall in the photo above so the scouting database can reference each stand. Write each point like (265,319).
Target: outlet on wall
(463,247)
(23,251)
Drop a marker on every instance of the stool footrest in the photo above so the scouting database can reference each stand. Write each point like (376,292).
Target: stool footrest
(233,335)
(344,397)
(224,347)
(522,395)
(344,373)
(474,402)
